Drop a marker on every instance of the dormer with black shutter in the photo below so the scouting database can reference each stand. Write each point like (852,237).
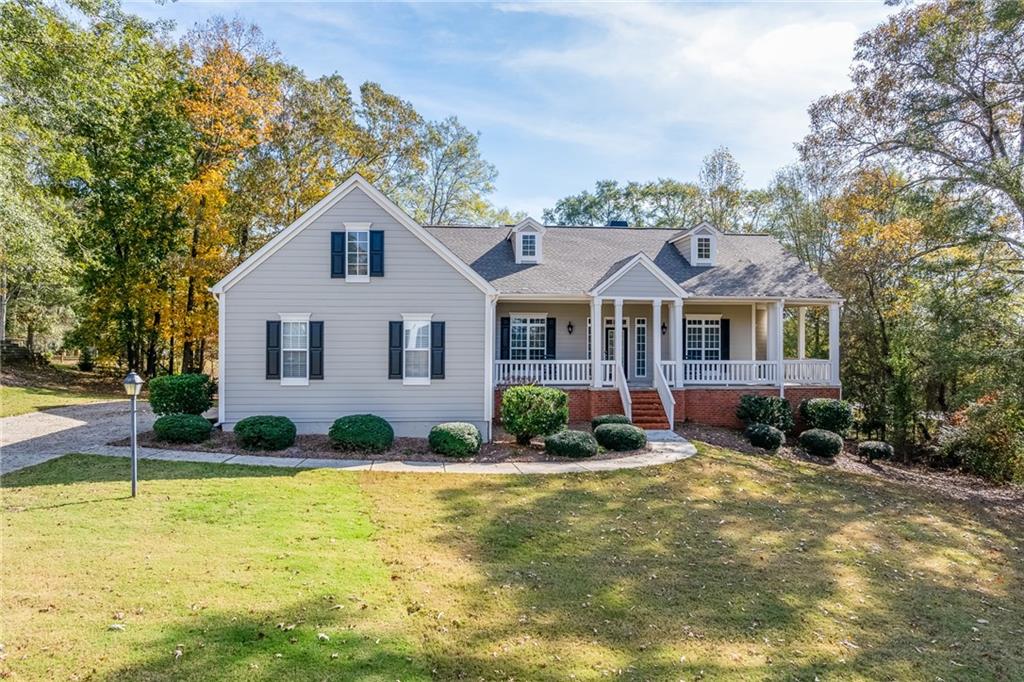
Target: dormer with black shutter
(699,246)
(527,239)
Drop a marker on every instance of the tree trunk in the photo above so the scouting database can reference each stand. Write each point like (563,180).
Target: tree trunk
(151,358)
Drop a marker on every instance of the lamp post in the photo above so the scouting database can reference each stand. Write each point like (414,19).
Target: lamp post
(133,386)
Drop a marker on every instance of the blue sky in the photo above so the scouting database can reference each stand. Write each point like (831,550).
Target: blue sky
(567,94)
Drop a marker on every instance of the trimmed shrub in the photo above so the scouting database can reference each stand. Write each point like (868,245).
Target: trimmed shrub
(765,409)
(620,436)
(609,419)
(765,436)
(528,411)
(182,428)
(829,414)
(455,439)
(575,444)
(264,432)
(181,394)
(821,442)
(874,449)
(364,432)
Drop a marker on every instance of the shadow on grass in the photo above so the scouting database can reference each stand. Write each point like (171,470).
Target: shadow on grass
(795,572)
(79,468)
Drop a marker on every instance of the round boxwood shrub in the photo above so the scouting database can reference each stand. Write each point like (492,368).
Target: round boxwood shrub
(821,442)
(874,449)
(455,439)
(181,394)
(182,428)
(620,436)
(364,432)
(829,414)
(765,436)
(575,444)
(609,419)
(264,432)
(765,409)
(528,411)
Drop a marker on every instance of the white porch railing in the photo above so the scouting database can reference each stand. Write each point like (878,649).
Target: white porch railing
(607,372)
(668,370)
(544,372)
(807,371)
(668,402)
(743,372)
(623,386)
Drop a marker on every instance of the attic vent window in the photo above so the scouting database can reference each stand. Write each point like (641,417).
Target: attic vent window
(529,246)
(703,248)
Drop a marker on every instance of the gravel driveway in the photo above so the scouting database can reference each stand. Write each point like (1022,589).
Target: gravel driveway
(35,437)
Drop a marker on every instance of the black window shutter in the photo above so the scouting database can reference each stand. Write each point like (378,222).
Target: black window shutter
(316,350)
(549,352)
(724,348)
(273,349)
(395,350)
(437,350)
(684,340)
(506,338)
(338,255)
(376,253)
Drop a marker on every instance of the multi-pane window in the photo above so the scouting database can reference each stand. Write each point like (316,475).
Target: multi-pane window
(703,339)
(295,350)
(357,250)
(528,338)
(641,347)
(416,347)
(704,248)
(529,246)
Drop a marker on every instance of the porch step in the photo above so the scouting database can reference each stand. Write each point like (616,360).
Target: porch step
(648,412)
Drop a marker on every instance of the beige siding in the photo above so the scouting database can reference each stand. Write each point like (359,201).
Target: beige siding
(739,325)
(296,279)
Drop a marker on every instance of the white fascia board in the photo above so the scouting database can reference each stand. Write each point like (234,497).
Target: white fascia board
(644,260)
(702,227)
(335,195)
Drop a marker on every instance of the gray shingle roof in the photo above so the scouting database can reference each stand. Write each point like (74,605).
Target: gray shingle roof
(577,258)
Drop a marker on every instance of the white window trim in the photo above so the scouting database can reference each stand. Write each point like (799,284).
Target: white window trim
(640,322)
(294,317)
(512,317)
(694,240)
(415,381)
(609,323)
(704,348)
(520,257)
(357,227)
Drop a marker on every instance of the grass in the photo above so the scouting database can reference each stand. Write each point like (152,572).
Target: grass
(726,566)
(28,388)
(15,400)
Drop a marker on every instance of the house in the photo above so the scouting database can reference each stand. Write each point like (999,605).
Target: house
(355,308)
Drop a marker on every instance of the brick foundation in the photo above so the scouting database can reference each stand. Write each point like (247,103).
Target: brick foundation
(710,406)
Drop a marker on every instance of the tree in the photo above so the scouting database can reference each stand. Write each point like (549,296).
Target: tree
(721,184)
(937,89)
(457,179)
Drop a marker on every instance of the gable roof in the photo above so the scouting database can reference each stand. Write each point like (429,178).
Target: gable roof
(640,260)
(333,197)
(577,259)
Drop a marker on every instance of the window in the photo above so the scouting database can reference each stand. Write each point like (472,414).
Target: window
(703,338)
(416,349)
(357,256)
(528,339)
(528,247)
(295,350)
(703,248)
(640,343)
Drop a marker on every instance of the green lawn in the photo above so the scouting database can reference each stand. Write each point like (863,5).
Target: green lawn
(724,566)
(21,400)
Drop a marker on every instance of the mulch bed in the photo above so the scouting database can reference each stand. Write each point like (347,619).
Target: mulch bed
(1007,499)
(503,448)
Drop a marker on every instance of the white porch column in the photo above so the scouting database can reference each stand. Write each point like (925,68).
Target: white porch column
(596,347)
(618,332)
(753,332)
(833,342)
(490,306)
(779,347)
(678,340)
(655,331)
(801,333)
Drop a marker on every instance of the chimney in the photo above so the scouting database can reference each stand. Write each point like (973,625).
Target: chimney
(618,223)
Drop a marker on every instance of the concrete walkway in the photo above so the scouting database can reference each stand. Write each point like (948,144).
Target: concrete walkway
(666,447)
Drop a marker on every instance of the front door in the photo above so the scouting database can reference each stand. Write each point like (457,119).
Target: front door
(609,346)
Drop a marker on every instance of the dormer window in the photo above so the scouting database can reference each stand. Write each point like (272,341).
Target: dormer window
(526,241)
(704,248)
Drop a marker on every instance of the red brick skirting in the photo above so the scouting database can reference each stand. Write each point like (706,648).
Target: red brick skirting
(710,406)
